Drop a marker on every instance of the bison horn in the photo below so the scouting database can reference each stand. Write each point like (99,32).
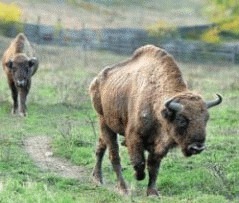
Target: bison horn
(170,104)
(214,102)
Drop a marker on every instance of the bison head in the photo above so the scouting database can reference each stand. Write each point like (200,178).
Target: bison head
(21,68)
(187,116)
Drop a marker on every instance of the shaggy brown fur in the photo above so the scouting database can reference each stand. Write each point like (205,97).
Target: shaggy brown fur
(130,100)
(19,63)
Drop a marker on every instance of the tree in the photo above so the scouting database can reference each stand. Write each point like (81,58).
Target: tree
(225,14)
(224,9)
(10,16)
(9,13)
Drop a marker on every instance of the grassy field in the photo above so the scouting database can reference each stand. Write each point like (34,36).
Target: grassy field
(59,107)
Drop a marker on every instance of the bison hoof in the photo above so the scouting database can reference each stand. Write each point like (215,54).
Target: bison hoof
(139,175)
(97,178)
(152,192)
(139,171)
(14,111)
(22,114)
(122,188)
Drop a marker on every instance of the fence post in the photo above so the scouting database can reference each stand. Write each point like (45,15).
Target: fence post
(58,32)
(38,30)
(84,45)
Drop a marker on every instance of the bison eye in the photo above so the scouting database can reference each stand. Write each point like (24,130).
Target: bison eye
(181,121)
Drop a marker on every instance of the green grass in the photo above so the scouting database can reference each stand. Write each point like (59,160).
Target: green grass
(59,107)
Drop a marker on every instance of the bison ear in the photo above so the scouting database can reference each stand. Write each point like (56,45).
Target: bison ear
(32,61)
(9,64)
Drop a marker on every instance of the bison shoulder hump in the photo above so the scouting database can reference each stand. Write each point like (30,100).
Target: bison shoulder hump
(150,50)
(21,36)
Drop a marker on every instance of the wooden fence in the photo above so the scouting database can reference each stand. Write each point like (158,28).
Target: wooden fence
(199,51)
(126,40)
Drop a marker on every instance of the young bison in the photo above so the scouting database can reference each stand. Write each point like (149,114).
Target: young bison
(146,100)
(20,64)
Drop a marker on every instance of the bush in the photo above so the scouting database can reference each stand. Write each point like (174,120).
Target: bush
(231,25)
(10,13)
(211,35)
(162,30)
(10,16)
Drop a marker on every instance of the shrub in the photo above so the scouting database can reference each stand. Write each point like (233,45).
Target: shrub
(211,35)
(10,15)
(10,12)
(162,30)
(230,25)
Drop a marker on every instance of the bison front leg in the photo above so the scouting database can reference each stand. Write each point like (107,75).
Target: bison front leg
(136,153)
(14,96)
(153,164)
(22,102)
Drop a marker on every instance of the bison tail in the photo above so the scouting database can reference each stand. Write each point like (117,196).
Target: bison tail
(95,95)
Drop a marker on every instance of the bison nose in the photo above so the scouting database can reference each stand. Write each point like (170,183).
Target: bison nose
(196,148)
(21,83)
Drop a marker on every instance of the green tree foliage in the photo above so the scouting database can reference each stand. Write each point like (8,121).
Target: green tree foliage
(225,14)
(224,10)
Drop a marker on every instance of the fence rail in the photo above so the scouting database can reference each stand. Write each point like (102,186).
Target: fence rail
(196,50)
(126,40)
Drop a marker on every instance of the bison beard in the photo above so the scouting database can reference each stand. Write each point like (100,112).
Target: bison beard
(146,100)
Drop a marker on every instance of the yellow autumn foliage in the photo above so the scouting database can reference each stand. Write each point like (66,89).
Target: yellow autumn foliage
(211,35)
(10,13)
(231,25)
(161,29)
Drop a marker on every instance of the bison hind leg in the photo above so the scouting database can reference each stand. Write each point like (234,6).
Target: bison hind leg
(108,139)
(97,171)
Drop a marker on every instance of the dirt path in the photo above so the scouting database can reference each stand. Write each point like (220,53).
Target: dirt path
(40,151)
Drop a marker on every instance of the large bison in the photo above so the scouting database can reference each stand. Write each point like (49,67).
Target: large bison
(146,100)
(20,64)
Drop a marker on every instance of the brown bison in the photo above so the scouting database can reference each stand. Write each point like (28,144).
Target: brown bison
(20,64)
(146,100)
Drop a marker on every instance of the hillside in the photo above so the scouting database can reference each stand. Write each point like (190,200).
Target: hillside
(115,13)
